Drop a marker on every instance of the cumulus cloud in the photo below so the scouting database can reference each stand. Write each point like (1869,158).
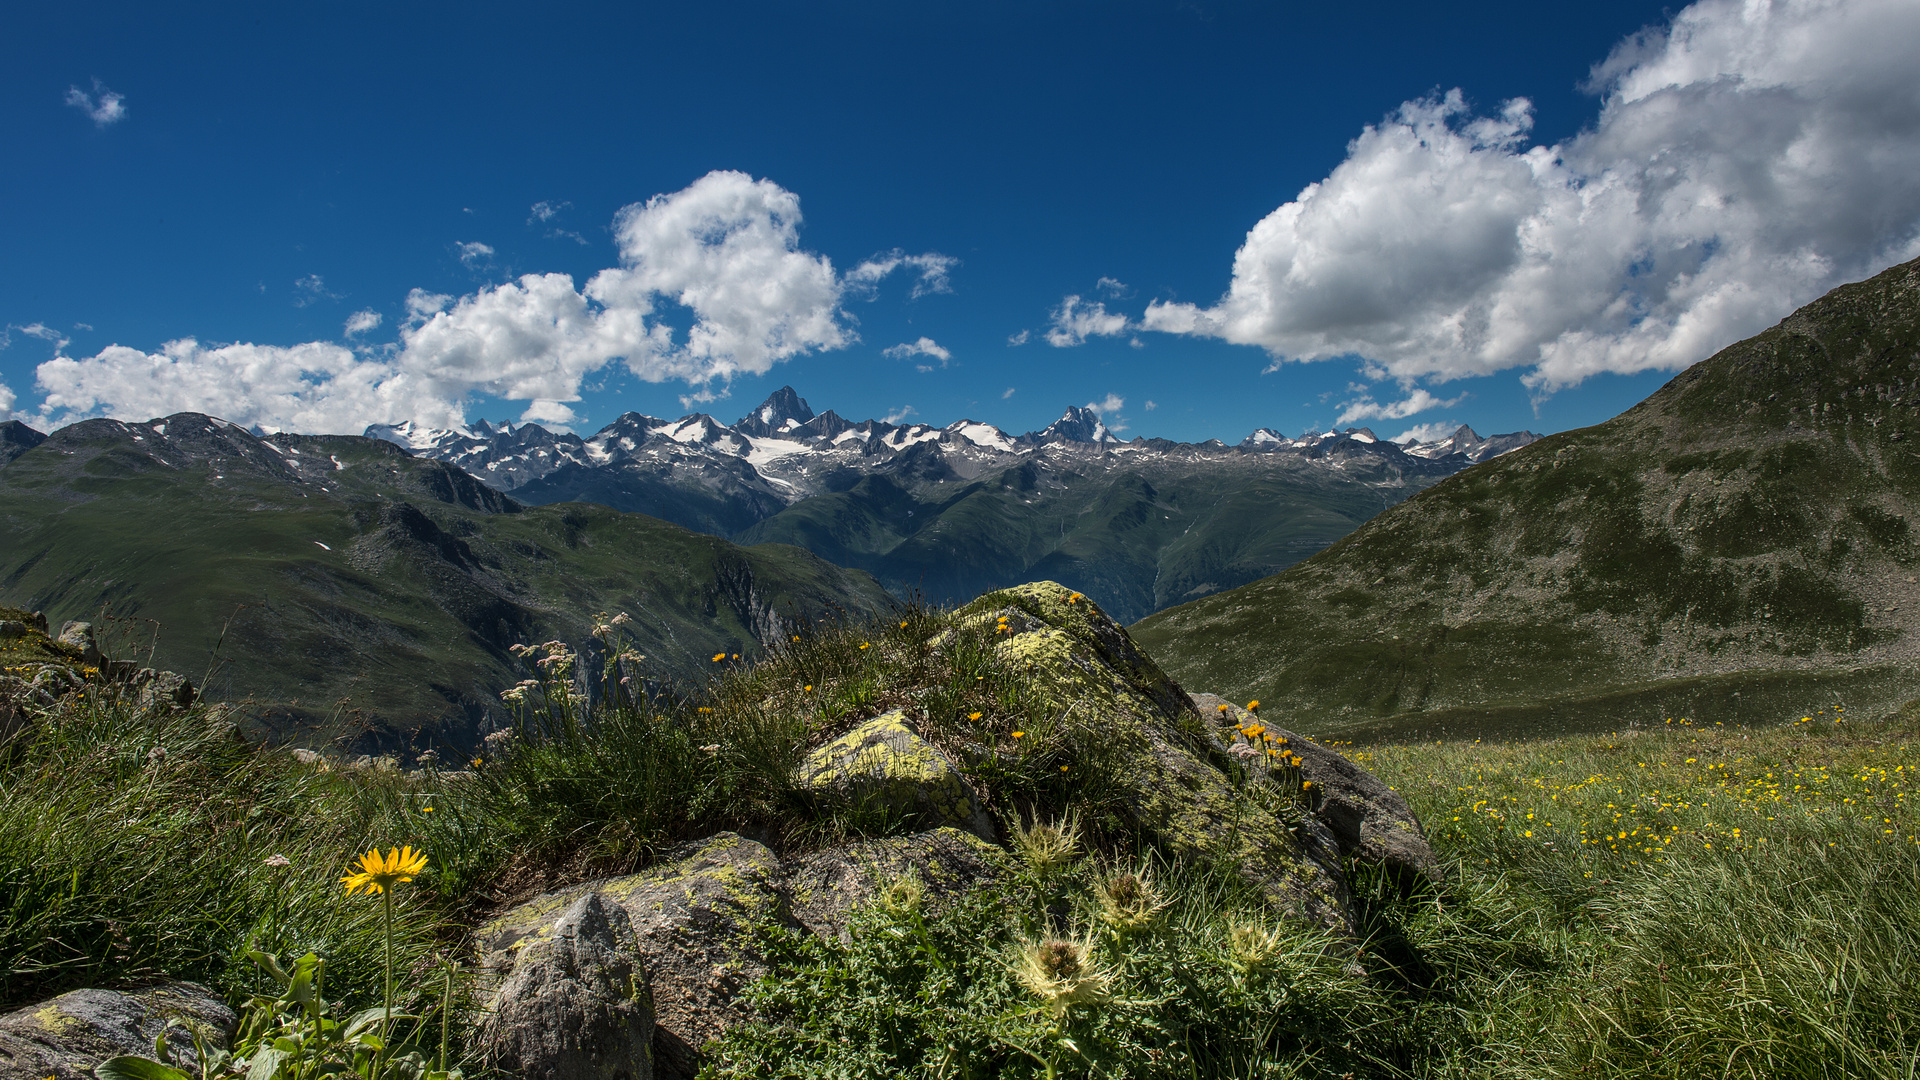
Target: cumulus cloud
(103,106)
(1113,287)
(474,254)
(1019,339)
(931,273)
(6,401)
(362,321)
(1426,433)
(712,283)
(1746,157)
(899,415)
(1419,401)
(1074,321)
(926,346)
(316,387)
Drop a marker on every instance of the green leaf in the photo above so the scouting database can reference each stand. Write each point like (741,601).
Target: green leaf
(266,1063)
(269,963)
(134,1067)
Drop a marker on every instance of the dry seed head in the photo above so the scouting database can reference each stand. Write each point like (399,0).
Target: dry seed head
(1129,899)
(1048,846)
(1251,943)
(1061,972)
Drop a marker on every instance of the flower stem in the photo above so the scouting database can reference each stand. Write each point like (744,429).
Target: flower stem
(386,1022)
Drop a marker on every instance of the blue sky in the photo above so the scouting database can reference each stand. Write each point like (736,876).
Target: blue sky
(1527,216)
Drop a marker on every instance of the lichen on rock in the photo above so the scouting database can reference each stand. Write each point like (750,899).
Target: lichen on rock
(884,765)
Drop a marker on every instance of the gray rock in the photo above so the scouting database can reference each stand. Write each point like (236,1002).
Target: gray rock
(884,765)
(825,886)
(577,1004)
(12,628)
(695,923)
(1369,821)
(79,635)
(64,1038)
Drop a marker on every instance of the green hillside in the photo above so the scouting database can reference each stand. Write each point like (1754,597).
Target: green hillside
(1136,538)
(1735,547)
(362,592)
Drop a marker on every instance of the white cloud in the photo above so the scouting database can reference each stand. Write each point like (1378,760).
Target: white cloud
(1419,401)
(1007,393)
(931,270)
(546,211)
(1074,321)
(1019,339)
(1426,433)
(923,347)
(311,290)
(1151,405)
(1113,287)
(900,414)
(474,254)
(1112,403)
(6,402)
(104,106)
(1746,158)
(315,387)
(362,321)
(722,257)
(35,330)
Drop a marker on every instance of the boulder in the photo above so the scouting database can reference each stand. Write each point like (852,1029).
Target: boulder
(577,1004)
(695,920)
(79,635)
(884,765)
(64,1038)
(825,886)
(1369,821)
(1164,767)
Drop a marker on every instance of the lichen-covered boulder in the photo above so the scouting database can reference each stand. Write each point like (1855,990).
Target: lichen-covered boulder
(1370,821)
(578,1003)
(695,919)
(884,765)
(64,1038)
(1168,772)
(826,886)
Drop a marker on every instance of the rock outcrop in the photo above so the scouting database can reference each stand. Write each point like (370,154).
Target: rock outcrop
(885,767)
(1170,776)
(578,1004)
(1369,821)
(63,1039)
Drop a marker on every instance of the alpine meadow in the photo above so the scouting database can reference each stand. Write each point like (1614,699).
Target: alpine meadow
(1274,542)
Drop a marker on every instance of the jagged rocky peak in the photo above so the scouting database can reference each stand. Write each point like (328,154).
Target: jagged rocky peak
(778,416)
(1077,424)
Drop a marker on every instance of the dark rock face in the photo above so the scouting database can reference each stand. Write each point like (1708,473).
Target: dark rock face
(577,1005)
(17,438)
(63,1039)
(1368,820)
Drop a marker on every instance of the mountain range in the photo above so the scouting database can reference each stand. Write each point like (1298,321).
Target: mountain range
(1738,546)
(946,513)
(351,591)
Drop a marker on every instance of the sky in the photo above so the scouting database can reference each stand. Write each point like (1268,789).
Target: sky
(1199,218)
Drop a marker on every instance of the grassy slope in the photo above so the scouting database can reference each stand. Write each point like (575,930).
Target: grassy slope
(1735,547)
(1135,539)
(404,618)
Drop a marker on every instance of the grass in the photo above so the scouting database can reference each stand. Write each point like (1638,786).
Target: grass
(1680,900)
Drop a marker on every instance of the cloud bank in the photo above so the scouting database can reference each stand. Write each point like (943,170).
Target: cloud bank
(1746,158)
(712,283)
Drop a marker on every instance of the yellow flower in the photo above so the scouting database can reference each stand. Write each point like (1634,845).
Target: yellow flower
(903,624)
(1305,784)
(796,637)
(1253,704)
(378,874)
(719,656)
(1019,734)
(973,716)
(1224,707)
(426,809)
(807,688)
(864,644)
(1063,768)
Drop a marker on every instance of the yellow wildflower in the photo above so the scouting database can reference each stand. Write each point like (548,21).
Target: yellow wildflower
(378,873)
